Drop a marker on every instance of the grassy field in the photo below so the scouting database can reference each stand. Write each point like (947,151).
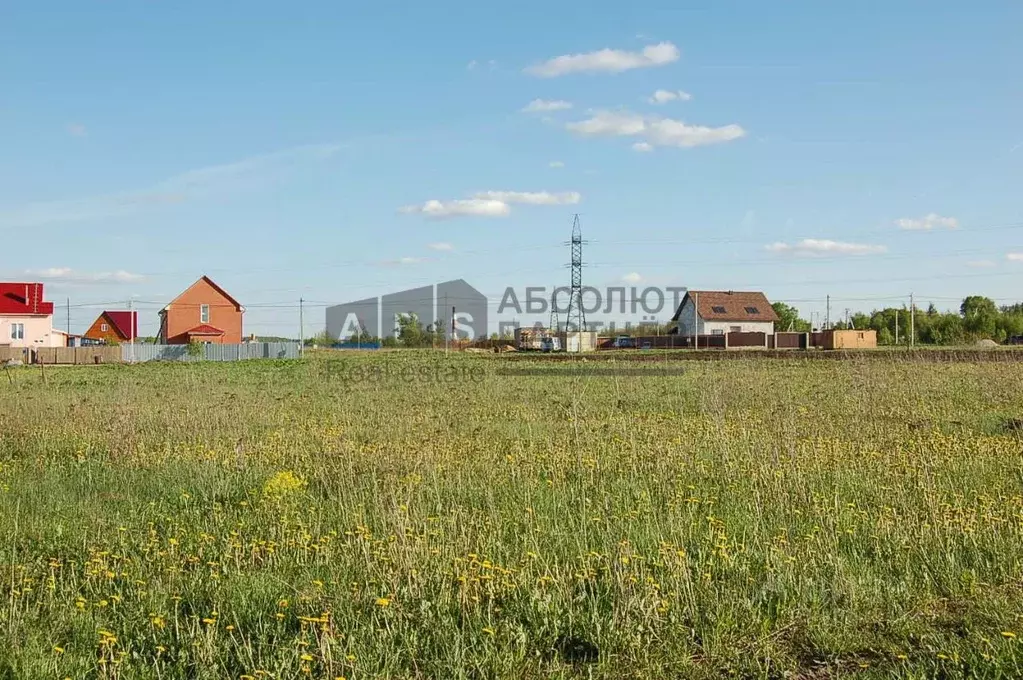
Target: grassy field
(407,515)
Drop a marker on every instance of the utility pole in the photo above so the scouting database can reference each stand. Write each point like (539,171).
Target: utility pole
(896,328)
(912,321)
(847,319)
(69,318)
(301,327)
(452,323)
(827,317)
(131,331)
(696,321)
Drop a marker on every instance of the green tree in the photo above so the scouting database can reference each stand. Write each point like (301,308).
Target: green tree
(980,315)
(788,318)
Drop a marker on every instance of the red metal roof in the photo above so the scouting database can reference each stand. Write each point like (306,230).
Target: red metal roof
(125,323)
(204,329)
(23,298)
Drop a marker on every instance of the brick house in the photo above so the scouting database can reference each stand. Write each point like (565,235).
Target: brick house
(26,320)
(204,312)
(717,312)
(114,327)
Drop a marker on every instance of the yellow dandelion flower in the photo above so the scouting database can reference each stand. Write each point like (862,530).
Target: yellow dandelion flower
(383,601)
(58,650)
(1008,634)
(306,657)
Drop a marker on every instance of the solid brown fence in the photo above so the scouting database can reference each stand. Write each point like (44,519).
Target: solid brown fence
(668,342)
(746,340)
(791,340)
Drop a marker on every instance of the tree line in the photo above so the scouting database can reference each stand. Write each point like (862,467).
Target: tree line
(978,318)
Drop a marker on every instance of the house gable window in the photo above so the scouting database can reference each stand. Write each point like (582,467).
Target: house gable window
(103,327)
(204,313)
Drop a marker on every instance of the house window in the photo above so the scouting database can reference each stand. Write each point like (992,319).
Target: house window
(17,331)
(103,327)
(204,313)
(718,309)
(735,329)
(717,331)
(752,310)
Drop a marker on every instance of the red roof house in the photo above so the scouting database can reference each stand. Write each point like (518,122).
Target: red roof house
(114,327)
(26,320)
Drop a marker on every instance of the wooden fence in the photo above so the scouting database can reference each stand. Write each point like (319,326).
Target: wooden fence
(97,354)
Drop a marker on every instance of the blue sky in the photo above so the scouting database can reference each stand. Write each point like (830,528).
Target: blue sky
(288,150)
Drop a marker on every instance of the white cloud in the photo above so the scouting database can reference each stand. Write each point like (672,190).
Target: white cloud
(927,222)
(812,247)
(530,197)
(556,164)
(609,123)
(490,203)
(471,65)
(980,264)
(632,277)
(544,105)
(1015,257)
(68,275)
(403,261)
(471,207)
(642,147)
(665,96)
(655,130)
(215,179)
(76,129)
(606,61)
(443,247)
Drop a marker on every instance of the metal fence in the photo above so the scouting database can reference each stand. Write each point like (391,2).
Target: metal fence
(212,352)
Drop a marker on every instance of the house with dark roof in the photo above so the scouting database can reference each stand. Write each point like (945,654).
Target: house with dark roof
(205,313)
(111,327)
(717,312)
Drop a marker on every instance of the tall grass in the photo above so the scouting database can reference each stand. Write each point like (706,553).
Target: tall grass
(745,519)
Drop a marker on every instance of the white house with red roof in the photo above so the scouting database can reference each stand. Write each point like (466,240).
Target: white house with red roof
(26,319)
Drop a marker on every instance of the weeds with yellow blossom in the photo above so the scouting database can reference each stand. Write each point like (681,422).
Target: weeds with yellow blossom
(704,523)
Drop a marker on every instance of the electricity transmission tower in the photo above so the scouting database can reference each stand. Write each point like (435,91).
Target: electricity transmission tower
(553,325)
(576,316)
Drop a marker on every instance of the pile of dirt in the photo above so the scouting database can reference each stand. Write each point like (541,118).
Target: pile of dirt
(987,344)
